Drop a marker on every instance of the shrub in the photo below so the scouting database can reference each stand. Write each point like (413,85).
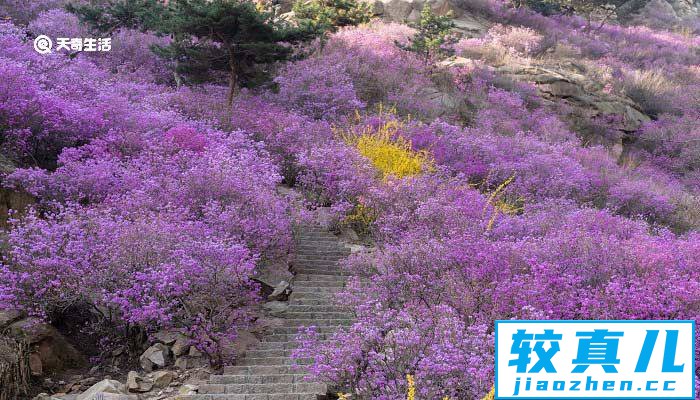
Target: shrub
(150,271)
(517,41)
(381,72)
(652,91)
(37,123)
(390,153)
(317,87)
(57,23)
(22,12)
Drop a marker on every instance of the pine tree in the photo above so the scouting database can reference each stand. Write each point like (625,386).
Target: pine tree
(223,35)
(229,36)
(321,16)
(432,35)
(111,15)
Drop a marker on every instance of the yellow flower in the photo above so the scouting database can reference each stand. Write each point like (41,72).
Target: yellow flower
(411,387)
(389,152)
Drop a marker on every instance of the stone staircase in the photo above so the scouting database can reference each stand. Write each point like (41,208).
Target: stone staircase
(268,371)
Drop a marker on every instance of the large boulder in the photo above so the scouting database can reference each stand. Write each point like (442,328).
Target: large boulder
(8,317)
(50,351)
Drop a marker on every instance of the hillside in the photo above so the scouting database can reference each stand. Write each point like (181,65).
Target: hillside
(372,199)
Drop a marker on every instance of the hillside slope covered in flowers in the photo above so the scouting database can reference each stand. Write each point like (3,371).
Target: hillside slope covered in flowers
(156,204)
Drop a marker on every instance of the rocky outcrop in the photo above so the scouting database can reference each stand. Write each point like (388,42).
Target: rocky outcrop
(567,83)
(409,11)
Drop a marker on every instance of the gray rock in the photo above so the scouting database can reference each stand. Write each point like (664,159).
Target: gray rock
(194,352)
(162,379)
(166,337)
(155,357)
(276,307)
(138,384)
(188,362)
(103,387)
(51,352)
(180,347)
(8,317)
(281,292)
(188,389)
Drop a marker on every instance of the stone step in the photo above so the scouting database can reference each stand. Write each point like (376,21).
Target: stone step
(341,252)
(313,270)
(293,330)
(314,301)
(318,299)
(318,322)
(267,372)
(318,295)
(308,315)
(332,308)
(255,370)
(312,284)
(274,361)
(306,261)
(317,238)
(326,250)
(313,243)
(319,278)
(268,396)
(258,379)
(263,388)
(257,353)
(318,257)
(287,337)
(302,247)
(289,345)
(320,269)
(313,288)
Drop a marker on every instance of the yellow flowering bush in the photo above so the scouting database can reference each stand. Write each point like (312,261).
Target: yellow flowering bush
(501,205)
(389,152)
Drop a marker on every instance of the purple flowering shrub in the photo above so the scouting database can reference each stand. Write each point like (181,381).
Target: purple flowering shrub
(136,269)
(148,218)
(57,23)
(155,204)
(21,12)
(443,260)
(317,87)
(311,156)
(381,72)
(190,211)
(37,124)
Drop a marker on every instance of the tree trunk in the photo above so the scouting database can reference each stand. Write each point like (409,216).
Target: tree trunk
(176,76)
(232,80)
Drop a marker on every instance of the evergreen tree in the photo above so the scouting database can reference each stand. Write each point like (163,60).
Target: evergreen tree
(434,32)
(321,16)
(224,35)
(228,36)
(110,15)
